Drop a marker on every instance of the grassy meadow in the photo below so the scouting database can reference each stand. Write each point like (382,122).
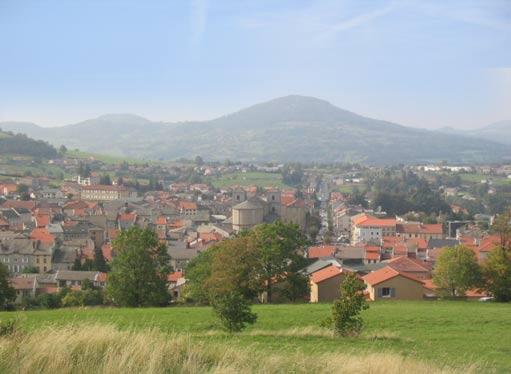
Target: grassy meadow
(435,335)
(251,178)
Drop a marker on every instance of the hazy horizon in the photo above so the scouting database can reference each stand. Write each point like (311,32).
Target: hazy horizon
(423,65)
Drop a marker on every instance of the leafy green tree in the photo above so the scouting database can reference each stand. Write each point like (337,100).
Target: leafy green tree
(7,293)
(234,311)
(30,270)
(99,262)
(345,319)
(105,179)
(63,150)
(49,301)
(198,272)
(278,256)
(456,271)
(497,274)
(140,269)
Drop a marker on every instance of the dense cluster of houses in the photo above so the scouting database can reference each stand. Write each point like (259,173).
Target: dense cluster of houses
(43,239)
(394,258)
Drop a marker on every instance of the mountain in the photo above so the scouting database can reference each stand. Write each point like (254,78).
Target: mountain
(291,128)
(499,132)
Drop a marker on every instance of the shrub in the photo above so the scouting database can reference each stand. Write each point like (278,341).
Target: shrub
(345,319)
(49,301)
(234,312)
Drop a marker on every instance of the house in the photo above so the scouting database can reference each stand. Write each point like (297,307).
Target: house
(101,192)
(321,251)
(388,283)
(74,279)
(409,266)
(325,284)
(369,229)
(21,252)
(187,208)
(24,287)
(420,230)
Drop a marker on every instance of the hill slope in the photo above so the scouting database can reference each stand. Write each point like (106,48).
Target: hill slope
(292,128)
(19,144)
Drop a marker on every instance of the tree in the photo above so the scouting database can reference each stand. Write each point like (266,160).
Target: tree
(357,197)
(105,179)
(99,262)
(140,269)
(30,270)
(345,319)
(502,227)
(234,311)
(278,256)
(456,271)
(63,149)
(199,161)
(7,293)
(497,274)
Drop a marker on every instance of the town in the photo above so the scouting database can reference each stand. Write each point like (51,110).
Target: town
(388,225)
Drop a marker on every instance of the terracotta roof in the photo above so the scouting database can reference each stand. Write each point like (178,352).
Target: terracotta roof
(127,217)
(43,235)
(19,204)
(188,205)
(161,220)
(384,274)
(409,265)
(419,228)
(42,220)
(23,283)
(325,273)
(321,251)
(173,277)
(370,221)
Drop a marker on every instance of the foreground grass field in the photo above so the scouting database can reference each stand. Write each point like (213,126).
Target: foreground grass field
(465,336)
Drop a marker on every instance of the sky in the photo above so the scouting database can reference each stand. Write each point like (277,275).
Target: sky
(426,64)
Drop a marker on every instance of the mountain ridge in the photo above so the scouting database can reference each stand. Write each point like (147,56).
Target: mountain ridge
(290,128)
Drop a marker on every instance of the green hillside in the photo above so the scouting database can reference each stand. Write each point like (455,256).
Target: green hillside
(469,336)
(19,144)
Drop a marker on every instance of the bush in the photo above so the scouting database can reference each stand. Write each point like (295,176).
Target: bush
(345,319)
(234,312)
(8,327)
(49,301)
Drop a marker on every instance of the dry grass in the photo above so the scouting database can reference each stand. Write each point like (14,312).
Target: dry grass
(105,349)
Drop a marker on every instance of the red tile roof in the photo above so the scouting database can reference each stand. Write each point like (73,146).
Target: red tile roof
(173,277)
(370,221)
(325,273)
(420,228)
(321,251)
(384,274)
(409,265)
(43,235)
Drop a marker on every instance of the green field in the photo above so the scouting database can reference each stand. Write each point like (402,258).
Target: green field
(253,178)
(442,333)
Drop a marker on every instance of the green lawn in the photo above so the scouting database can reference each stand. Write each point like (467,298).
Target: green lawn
(443,333)
(255,178)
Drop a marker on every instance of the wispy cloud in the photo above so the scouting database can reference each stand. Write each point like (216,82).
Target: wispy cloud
(321,21)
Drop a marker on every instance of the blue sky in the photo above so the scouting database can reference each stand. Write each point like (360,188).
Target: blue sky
(419,63)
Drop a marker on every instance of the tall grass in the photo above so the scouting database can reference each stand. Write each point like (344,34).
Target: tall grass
(100,348)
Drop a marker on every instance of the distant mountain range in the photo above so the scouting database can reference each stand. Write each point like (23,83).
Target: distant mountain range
(499,132)
(291,128)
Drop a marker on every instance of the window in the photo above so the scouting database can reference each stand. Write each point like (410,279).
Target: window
(387,292)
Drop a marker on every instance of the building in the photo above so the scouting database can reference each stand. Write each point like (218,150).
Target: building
(388,283)
(102,192)
(247,214)
(369,229)
(325,284)
(20,253)
(420,230)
